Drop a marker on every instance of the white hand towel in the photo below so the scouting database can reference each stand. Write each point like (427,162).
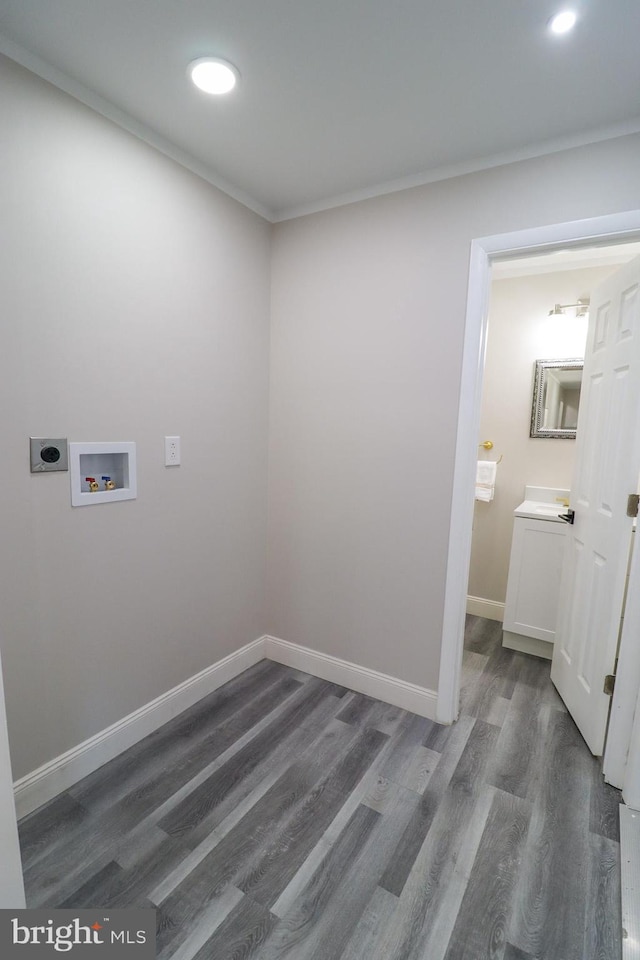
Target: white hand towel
(485,480)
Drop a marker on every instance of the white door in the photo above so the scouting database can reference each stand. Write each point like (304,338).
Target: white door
(607,470)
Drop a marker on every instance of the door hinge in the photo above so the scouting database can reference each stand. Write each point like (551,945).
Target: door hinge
(632,504)
(609,684)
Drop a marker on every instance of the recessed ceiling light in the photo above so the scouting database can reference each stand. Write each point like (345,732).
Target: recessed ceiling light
(563,22)
(213,75)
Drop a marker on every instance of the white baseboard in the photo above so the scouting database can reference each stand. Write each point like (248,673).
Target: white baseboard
(490,609)
(41,785)
(400,693)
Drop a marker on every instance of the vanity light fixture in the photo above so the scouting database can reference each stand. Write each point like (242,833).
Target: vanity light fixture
(213,75)
(581,308)
(562,22)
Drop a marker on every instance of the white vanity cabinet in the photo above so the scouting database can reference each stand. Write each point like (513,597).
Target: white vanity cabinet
(535,569)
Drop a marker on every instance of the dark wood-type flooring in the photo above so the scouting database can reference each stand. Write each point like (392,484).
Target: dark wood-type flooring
(287,817)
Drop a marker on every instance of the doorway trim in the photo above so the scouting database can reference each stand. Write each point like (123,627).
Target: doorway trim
(12,894)
(614,228)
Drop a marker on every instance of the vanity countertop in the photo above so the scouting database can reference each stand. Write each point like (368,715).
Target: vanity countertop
(540,510)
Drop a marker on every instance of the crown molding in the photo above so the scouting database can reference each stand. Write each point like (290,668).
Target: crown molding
(105,108)
(145,133)
(448,172)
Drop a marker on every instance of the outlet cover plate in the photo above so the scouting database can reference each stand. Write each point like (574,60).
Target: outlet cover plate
(48,454)
(172,451)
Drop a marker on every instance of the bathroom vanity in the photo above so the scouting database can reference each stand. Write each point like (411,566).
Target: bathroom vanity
(535,569)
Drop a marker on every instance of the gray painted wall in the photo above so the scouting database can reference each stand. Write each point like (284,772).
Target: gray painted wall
(135,301)
(368,310)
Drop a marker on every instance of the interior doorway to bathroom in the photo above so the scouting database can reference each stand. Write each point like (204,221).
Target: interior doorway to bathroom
(524,326)
(485,253)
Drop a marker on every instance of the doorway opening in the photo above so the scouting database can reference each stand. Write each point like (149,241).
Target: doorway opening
(612,230)
(532,373)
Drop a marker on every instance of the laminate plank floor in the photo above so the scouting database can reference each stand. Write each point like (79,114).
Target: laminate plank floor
(286,817)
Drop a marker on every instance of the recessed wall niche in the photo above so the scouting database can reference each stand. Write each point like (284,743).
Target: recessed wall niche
(102,472)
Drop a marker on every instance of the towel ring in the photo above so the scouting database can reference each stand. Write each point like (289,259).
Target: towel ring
(488,445)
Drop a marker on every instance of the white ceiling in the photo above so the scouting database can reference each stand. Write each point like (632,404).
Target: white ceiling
(340,99)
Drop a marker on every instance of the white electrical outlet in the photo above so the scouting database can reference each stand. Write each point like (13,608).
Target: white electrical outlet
(172,451)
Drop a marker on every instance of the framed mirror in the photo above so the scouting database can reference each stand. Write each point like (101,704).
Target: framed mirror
(556,398)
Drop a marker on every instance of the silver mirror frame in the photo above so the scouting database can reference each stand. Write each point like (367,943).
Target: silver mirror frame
(537,407)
